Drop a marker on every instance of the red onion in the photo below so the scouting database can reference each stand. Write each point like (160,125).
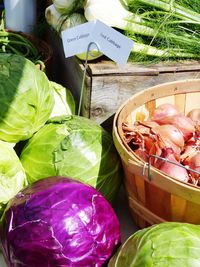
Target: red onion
(194,115)
(183,123)
(142,154)
(193,162)
(171,169)
(170,132)
(163,111)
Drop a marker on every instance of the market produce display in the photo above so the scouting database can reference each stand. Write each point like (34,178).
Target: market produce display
(76,147)
(161,29)
(58,222)
(163,245)
(169,141)
(60,173)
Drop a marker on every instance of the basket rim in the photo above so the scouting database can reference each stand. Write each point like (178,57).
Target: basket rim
(149,89)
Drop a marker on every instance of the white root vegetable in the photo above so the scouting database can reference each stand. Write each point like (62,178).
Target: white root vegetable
(62,22)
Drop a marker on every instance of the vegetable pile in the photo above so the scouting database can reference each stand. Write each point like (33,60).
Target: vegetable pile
(166,244)
(56,221)
(161,29)
(59,222)
(63,145)
(169,141)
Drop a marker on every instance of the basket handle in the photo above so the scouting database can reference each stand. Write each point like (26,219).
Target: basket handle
(164,182)
(137,167)
(144,213)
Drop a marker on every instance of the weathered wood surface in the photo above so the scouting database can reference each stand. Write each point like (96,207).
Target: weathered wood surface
(108,67)
(108,85)
(111,86)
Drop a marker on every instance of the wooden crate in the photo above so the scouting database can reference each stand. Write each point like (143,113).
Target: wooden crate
(108,85)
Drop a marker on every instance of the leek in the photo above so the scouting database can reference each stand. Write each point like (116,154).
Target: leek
(169,6)
(149,50)
(160,28)
(114,15)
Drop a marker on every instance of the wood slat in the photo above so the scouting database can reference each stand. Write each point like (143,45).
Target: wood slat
(102,68)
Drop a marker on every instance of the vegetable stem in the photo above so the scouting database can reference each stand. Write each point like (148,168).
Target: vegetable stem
(172,7)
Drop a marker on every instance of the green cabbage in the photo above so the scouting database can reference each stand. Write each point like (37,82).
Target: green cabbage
(167,244)
(77,147)
(26,98)
(12,175)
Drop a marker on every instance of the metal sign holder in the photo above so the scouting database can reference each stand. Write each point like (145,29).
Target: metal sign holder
(88,52)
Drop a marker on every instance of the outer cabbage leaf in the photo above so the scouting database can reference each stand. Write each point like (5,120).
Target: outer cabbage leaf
(26,98)
(64,101)
(12,175)
(166,244)
(77,147)
(58,222)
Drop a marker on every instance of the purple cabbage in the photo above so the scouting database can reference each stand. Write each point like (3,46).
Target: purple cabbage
(59,222)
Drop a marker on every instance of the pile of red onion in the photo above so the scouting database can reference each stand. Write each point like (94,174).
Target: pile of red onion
(169,141)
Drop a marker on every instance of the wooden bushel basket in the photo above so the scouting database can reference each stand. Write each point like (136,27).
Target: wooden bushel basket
(157,197)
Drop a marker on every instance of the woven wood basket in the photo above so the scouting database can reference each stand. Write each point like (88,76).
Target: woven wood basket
(157,197)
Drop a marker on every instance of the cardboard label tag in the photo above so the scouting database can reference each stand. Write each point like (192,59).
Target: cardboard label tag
(110,42)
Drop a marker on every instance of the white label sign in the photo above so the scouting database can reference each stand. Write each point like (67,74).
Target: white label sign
(110,42)
(76,39)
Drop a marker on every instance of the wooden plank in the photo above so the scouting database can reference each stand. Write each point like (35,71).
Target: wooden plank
(110,92)
(101,68)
